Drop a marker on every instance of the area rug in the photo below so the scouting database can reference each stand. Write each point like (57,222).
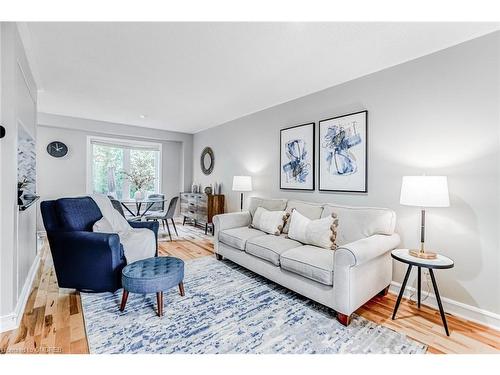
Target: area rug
(228,309)
(186,232)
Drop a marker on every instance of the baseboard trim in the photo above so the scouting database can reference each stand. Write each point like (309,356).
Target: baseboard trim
(11,321)
(462,310)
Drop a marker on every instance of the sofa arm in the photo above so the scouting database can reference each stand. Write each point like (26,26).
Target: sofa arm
(88,244)
(87,260)
(365,249)
(231,220)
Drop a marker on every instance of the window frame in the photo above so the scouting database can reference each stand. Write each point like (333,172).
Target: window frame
(121,142)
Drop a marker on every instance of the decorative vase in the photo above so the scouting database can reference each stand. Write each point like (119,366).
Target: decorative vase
(138,195)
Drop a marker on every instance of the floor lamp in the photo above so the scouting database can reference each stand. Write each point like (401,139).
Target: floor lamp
(242,184)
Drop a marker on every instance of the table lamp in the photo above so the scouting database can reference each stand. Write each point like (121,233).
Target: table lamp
(242,183)
(424,191)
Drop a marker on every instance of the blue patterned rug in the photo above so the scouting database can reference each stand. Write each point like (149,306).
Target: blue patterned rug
(228,309)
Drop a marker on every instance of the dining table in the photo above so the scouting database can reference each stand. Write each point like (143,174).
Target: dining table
(140,204)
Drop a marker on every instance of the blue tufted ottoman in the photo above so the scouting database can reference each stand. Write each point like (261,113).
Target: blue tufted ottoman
(152,275)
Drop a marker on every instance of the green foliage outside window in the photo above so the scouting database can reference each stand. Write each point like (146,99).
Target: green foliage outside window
(142,171)
(108,162)
(109,173)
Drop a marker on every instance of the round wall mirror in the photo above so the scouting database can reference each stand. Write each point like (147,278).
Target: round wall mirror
(207,160)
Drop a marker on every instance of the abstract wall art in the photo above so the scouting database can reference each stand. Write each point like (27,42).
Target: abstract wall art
(26,159)
(297,157)
(343,146)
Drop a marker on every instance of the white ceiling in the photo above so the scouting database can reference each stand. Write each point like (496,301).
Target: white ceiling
(192,76)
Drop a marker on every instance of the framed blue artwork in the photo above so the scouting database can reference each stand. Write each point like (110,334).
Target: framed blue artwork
(297,157)
(343,150)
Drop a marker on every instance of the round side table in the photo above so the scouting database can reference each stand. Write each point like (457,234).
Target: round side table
(441,262)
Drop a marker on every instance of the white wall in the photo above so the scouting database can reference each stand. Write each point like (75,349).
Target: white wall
(2,259)
(439,115)
(18,258)
(67,176)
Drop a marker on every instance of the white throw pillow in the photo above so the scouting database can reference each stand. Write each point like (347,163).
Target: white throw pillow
(269,221)
(320,232)
(310,210)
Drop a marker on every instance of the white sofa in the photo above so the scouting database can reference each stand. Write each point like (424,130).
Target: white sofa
(343,279)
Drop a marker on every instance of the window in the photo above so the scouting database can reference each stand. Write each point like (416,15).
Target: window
(119,168)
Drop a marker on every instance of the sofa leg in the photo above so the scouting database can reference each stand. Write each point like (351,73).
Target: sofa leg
(343,319)
(384,291)
(218,256)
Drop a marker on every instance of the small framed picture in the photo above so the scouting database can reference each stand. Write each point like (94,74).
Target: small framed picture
(297,157)
(343,150)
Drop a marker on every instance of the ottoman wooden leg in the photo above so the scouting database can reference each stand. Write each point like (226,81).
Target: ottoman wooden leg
(181,288)
(124,300)
(159,300)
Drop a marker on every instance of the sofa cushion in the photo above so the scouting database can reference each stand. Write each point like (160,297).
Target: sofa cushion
(310,210)
(320,232)
(268,221)
(309,261)
(356,223)
(237,237)
(269,247)
(77,214)
(268,204)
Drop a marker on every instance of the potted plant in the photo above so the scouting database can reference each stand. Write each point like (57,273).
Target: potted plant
(140,177)
(20,186)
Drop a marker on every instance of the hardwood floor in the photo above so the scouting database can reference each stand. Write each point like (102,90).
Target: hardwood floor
(425,325)
(53,319)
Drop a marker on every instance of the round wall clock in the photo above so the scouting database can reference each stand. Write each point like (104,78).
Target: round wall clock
(57,149)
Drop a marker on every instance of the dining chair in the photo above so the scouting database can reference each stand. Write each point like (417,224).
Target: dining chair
(165,216)
(118,207)
(160,206)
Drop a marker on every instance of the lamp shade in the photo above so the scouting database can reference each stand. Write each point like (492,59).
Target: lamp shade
(425,191)
(242,183)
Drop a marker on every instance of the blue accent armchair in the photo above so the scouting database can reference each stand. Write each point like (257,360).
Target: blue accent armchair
(84,260)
